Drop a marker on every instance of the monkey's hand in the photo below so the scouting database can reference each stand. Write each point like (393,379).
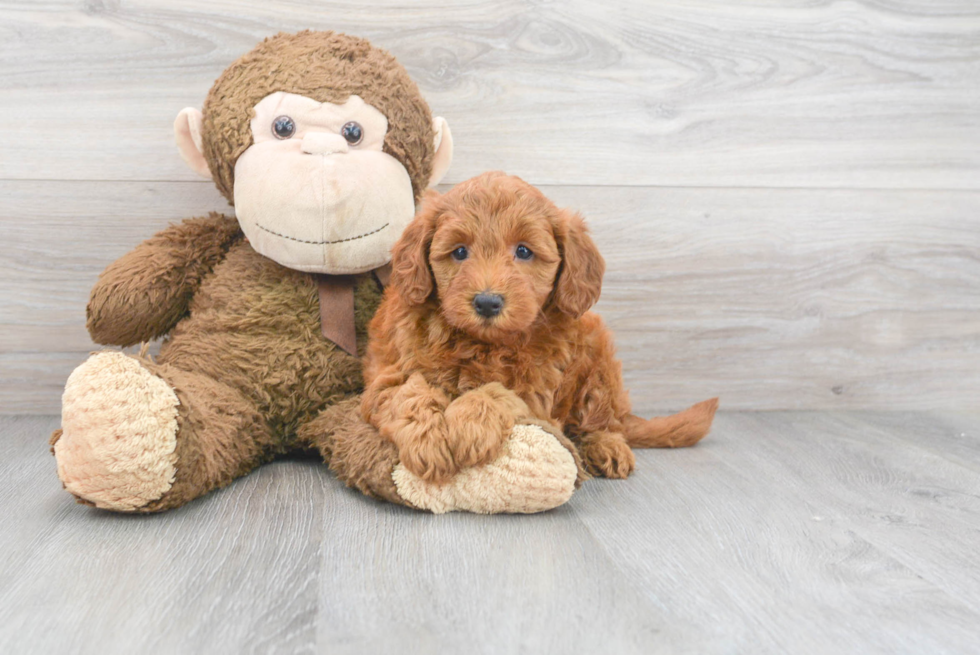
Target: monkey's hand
(143,294)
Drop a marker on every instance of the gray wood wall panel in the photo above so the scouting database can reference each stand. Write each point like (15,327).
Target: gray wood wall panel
(706,93)
(772,298)
(786,194)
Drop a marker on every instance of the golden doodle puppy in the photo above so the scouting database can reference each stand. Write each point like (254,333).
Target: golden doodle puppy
(486,324)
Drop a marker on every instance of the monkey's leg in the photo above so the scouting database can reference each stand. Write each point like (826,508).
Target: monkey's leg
(354,449)
(537,469)
(143,437)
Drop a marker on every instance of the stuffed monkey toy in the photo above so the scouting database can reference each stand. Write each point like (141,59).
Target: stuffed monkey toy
(324,146)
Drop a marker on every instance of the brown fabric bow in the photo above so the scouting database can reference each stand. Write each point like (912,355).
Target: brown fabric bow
(337,306)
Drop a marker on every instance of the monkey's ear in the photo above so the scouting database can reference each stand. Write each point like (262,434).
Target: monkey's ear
(582,267)
(187,131)
(410,272)
(443,144)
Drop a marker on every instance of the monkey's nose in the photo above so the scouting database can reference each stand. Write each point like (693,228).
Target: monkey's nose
(488,305)
(323,143)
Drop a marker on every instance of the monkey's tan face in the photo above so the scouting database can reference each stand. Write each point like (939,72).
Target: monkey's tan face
(315,192)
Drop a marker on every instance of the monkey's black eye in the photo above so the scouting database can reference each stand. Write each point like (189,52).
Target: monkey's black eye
(352,132)
(523,252)
(283,127)
(460,253)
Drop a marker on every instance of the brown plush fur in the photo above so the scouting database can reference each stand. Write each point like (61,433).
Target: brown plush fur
(244,353)
(445,385)
(328,67)
(355,451)
(157,280)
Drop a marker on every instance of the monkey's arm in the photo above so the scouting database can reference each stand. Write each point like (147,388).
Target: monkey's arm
(143,294)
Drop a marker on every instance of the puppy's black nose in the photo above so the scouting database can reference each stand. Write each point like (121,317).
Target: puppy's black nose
(488,305)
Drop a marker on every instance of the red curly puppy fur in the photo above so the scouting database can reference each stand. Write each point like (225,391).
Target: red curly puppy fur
(486,324)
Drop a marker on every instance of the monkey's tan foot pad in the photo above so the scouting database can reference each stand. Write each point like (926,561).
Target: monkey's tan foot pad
(119,433)
(533,473)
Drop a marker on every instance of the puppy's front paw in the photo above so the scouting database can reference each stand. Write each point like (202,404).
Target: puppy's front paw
(431,460)
(480,420)
(423,447)
(474,444)
(606,454)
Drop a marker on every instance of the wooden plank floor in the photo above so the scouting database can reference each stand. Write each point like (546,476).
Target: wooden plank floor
(802,532)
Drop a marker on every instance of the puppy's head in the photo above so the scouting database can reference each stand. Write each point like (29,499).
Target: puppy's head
(496,254)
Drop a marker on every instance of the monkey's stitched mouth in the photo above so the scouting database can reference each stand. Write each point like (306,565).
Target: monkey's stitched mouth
(321,243)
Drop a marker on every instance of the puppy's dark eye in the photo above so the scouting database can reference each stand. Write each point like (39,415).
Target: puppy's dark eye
(283,127)
(460,253)
(352,132)
(523,252)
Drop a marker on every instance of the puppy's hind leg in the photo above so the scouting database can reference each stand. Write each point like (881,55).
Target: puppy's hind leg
(606,454)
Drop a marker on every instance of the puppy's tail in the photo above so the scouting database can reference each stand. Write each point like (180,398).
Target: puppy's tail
(675,431)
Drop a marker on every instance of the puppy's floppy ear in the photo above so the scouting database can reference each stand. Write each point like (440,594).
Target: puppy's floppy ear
(410,272)
(579,280)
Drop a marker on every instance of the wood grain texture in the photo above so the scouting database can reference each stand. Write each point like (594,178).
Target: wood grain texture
(880,94)
(803,532)
(772,299)
(669,124)
(787,196)
(891,484)
(86,582)
(809,536)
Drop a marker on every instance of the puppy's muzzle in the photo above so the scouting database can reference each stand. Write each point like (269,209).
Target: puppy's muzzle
(488,305)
